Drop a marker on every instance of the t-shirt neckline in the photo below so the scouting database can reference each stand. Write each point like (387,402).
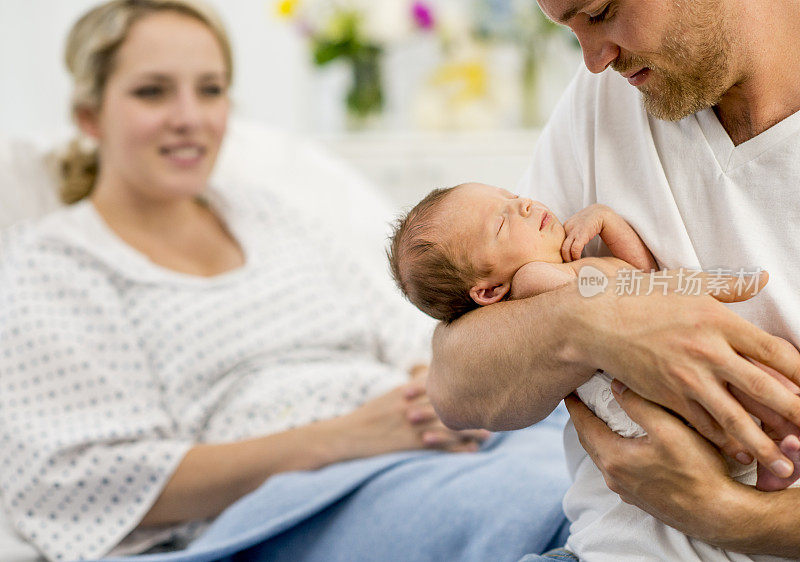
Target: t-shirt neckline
(730,156)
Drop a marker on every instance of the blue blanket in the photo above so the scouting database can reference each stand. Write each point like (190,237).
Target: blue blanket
(497,504)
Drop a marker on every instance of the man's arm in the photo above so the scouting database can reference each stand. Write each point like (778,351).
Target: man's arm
(507,365)
(484,373)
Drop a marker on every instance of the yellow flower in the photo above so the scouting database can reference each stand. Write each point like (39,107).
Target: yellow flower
(466,80)
(286,8)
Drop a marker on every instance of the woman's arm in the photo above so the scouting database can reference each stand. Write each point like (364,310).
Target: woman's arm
(212,476)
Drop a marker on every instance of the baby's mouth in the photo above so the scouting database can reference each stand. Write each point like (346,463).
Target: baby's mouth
(546,218)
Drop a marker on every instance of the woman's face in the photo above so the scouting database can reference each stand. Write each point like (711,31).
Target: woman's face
(164,109)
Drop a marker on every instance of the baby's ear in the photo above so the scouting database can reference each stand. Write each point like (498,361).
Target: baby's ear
(485,293)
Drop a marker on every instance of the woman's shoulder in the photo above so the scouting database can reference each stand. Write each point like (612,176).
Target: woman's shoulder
(56,246)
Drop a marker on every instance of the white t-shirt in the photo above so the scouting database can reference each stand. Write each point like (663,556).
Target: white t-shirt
(112,367)
(697,201)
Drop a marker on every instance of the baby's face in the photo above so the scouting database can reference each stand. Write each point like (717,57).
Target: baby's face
(501,231)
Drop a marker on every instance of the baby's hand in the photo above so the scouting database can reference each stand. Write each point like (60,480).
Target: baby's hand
(582,227)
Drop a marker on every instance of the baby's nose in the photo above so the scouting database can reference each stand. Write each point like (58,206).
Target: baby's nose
(525,206)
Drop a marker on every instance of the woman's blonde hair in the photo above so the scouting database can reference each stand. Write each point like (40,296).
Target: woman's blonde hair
(91,50)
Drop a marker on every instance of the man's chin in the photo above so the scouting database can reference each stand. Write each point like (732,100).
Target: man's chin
(670,101)
(667,106)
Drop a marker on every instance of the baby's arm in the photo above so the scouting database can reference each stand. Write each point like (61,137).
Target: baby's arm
(617,234)
(535,278)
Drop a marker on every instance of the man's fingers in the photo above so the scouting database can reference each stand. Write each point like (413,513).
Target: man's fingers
(732,416)
(708,427)
(758,384)
(593,432)
(647,414)
(772,351)
(775,425)
(733,288)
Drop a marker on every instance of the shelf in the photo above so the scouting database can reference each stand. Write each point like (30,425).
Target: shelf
(407,165)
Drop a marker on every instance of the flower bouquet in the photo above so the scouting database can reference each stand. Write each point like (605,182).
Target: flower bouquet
(357,31)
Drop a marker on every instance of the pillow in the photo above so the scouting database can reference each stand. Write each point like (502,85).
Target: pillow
(27,180)
(328,190)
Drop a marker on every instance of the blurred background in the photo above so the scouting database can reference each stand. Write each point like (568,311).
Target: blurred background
(415,93)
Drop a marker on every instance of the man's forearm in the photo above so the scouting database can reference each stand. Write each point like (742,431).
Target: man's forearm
(508,365)
(755,522)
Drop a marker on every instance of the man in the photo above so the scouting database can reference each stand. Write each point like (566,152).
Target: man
(695,140)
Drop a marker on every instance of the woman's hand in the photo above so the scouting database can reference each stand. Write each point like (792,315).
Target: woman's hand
(671,473)
(402,419)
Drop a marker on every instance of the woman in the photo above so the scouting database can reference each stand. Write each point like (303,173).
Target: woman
(169,346)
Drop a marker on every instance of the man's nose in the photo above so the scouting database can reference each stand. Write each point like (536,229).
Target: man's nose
(598,52)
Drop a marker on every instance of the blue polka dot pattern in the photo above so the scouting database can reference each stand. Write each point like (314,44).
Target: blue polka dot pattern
(113,367)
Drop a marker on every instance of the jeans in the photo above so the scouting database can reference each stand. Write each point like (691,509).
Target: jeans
(557,554)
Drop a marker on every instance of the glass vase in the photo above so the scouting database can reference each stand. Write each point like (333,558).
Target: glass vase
(365,95)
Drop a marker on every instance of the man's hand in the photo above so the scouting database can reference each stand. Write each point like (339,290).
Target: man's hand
(687,352)
(672,473)
(783,433)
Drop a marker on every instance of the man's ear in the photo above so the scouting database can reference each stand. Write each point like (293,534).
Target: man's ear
(485,293)
(88,122)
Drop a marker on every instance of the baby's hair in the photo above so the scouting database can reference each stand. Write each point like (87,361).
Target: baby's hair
(426,266)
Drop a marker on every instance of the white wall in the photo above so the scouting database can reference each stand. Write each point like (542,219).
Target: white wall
(271,84)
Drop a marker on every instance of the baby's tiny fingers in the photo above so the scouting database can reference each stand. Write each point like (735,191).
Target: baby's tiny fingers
(566,248)
(576,251)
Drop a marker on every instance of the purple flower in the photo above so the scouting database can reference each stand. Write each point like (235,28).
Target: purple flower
(423,15)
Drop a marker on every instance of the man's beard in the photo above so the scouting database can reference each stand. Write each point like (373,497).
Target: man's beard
(696,69)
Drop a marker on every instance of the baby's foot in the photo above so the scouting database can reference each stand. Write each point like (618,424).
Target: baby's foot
(767,481)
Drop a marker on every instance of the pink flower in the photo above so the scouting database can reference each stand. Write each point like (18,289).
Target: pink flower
(423,15)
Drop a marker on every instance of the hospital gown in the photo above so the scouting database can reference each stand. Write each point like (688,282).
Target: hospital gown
(112,367)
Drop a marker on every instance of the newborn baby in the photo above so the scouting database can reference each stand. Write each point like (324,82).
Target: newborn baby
(474,245)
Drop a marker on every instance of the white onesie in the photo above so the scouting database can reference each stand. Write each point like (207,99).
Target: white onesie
(596,393)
